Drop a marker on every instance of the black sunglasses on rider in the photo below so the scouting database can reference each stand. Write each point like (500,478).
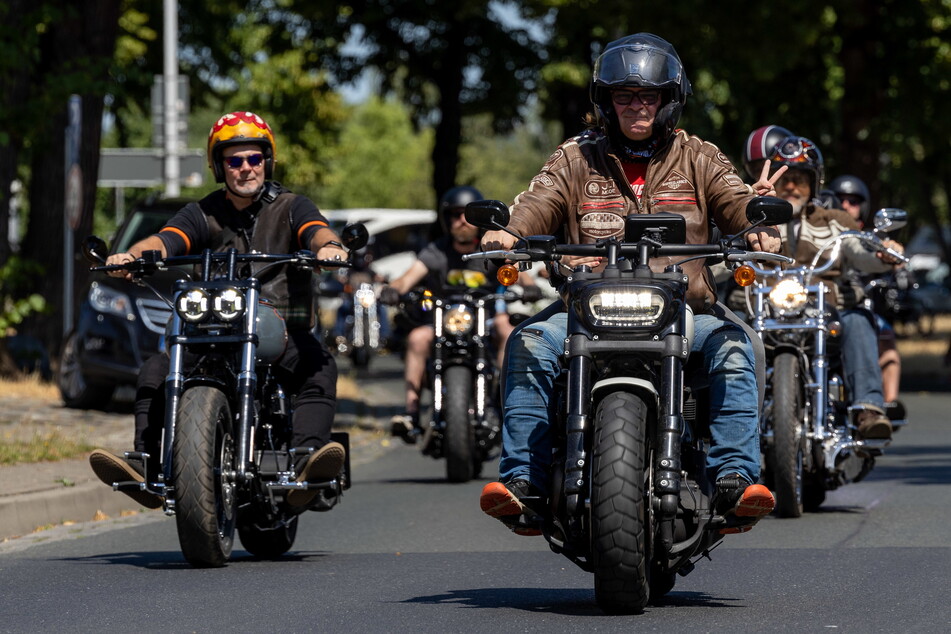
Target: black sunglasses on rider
(626,97)
(234,162)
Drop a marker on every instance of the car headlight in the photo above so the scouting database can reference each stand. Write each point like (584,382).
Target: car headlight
(625,305)
(110,301)
(364,297)
(458,319)
(193,306)
(228,304)
(788,297)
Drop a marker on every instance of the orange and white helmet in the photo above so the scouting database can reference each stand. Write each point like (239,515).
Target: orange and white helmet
(237,128)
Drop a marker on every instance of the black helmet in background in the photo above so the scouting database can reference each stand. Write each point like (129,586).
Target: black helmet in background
(642,60)
(799,153)
(759,145)
(456,198)
(849,185)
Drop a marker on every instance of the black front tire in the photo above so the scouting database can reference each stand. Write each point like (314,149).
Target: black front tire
(620,522)
(459,439)
(785,455)
(203,471)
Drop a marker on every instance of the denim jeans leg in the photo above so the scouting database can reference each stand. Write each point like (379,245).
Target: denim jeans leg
(863,376)
(531,366)
(734,412)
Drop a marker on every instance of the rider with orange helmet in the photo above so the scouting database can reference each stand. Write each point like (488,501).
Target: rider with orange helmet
(251,212)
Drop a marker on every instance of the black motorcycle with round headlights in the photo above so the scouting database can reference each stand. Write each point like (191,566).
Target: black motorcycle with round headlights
(227,463)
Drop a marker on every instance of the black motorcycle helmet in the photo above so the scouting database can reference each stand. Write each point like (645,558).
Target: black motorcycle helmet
(849,185)
(456,198)
(759,145)
(799,153)
(642,60)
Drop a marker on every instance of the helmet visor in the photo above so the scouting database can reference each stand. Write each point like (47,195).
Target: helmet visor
(637,65)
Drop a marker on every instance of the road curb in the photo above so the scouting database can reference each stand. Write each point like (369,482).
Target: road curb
(24,514)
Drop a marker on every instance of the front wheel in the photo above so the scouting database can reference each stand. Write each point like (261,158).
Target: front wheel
(784,455)
(203,471)
(620,522)
(459,436)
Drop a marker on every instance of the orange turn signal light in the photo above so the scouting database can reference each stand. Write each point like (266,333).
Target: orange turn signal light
(507,275)
(744,275)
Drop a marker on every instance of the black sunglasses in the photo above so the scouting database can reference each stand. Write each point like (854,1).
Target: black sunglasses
(234,162)
(626,97)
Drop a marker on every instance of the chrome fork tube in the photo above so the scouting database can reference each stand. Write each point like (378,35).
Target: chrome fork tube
(247,385)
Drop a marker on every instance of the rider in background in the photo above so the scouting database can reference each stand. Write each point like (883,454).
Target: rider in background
(434,266)
(631,159)
(813,226)
(251,212)
(854,197)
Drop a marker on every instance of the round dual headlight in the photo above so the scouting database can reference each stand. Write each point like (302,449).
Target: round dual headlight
(458,319)
(193,306)
(228,305)
(788,297)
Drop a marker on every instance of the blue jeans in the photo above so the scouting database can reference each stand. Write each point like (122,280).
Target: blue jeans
(532,364)
(863,376)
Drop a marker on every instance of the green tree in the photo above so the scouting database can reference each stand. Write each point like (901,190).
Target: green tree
(385,163)
(445,60)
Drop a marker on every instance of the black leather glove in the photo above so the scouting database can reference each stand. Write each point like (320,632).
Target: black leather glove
(531,294)
(389,296)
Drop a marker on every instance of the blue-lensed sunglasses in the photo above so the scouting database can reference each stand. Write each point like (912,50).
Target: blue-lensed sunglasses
(234,162)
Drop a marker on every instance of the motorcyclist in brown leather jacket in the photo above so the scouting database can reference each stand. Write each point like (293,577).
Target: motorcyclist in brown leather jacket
(632,160)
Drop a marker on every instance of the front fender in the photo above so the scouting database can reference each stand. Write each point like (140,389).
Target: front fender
(639,387)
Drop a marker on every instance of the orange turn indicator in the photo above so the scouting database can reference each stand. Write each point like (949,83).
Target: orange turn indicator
(507,275)
(744,275)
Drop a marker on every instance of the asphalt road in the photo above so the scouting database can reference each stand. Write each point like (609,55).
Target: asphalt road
(406,551)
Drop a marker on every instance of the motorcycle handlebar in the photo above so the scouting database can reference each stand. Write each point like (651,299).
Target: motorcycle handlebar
(144,266)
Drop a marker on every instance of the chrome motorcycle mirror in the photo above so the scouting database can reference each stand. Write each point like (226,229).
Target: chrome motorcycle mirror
(890,219)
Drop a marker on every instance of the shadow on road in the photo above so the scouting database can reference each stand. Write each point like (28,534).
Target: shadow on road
(567,602)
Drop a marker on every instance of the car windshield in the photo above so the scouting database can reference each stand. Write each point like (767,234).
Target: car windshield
(141,224)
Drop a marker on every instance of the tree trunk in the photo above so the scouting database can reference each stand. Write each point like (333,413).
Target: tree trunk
(77,53)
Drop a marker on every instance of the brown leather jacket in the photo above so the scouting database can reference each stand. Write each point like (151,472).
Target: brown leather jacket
(583,190)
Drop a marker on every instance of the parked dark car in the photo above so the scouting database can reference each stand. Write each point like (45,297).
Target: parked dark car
(119,324)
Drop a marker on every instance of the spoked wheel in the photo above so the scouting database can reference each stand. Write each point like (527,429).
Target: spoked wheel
(459,436)
(784,456)
(203,469)
(620,522)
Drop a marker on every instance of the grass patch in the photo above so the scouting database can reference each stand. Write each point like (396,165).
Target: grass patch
(29,386)
(43,447)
